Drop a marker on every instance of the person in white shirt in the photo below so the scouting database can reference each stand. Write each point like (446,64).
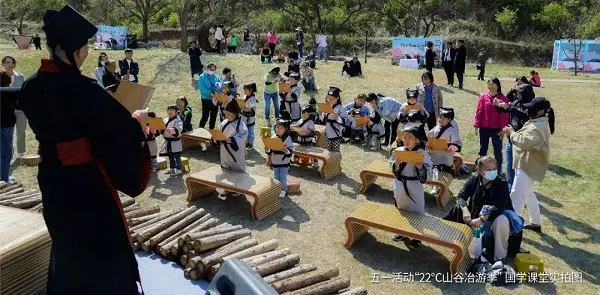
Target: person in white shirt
(99,71)
(219,37)
(322,46)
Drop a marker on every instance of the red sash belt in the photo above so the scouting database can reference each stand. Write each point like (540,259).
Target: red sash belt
(74,152)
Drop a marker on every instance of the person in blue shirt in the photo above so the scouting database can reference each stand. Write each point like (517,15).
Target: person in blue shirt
(388,108)
(430,96)
(209,84)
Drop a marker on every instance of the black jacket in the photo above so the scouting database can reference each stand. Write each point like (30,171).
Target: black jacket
(476,196)
(518,113)
(246,35)
(295,68)
(110,80)
(460,59)
(9,97)
(195,63)
(429,58)
(133,70)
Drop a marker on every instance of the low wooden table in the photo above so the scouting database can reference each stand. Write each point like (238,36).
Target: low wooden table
(264,191)
(331,160)
(320,136)
(196,138)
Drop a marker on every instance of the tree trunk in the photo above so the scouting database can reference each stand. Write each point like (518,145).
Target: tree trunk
(203,35)
(356,291)
(277,265)
(20,25)
(324,288)
(145,32)
(304,280)
(418,18)
(292,272)
(184,31)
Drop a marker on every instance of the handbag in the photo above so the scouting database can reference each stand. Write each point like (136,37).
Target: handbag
(478,66)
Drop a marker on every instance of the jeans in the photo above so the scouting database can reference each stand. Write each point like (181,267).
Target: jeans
(460,77)
(281,175)
(154,162)
(268,98)
(175,161)
(300,47)
(208,110)
(510,173)
(322,53)
(20,130)
(394,130)
(250,141)
(310,85)
(6,152)
(484,139)
(247,47)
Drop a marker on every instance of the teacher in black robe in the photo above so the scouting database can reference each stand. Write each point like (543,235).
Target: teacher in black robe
(90,147)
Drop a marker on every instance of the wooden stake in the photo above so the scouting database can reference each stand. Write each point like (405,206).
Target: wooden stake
(204,263)
(292,272)
(159,216)
(171,230)
(132,208)
(161,225)
(324,288)
(211,232)
(186,273)
(194,275)
(211,222)
(356,291)
(183,260)
(11,188)
(136,247)
(142,212)
(266,257)
(126,202)
(258,249)
(225,248)
(27,203)
(139,220)
(37,207)
(17,195)
(215,241)
(187,247)
(311,278)
(277,265)
(164,247)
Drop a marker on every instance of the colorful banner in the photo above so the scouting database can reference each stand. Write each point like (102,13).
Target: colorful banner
(22,41)
(411,47)
(587,61)
(108,37)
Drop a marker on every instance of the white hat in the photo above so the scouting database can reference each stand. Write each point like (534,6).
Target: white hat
(298,29)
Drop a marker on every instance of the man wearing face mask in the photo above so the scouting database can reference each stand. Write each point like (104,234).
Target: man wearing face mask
(81,169)
(485,189)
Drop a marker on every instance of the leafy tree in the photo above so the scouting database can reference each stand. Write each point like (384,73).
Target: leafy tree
(555,18)
(17,11)
(591,29)
(508,21)
(183,9)
(142,10)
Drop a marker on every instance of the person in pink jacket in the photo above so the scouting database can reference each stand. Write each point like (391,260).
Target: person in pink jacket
(272,40)
(535,79)
(489,123)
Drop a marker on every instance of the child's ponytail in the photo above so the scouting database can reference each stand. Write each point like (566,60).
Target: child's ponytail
(551,120)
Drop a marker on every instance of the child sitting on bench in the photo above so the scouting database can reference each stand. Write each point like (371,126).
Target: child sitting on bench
(306,137)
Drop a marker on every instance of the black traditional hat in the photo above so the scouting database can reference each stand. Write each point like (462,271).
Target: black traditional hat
(285,119)
(536,105)
(416,116)
(447,112)
(67,28)
(417,130)
(411,93)
(275,69)
(308,109)
(233,107)
(334,91)
(312,101)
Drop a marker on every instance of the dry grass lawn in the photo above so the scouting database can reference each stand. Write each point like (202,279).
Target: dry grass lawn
(312,223)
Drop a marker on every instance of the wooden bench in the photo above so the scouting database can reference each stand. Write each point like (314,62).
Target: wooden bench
(377,168)
(426,228)
(331,161)
(196,138)
(320,136)
(457,160)
(264,191)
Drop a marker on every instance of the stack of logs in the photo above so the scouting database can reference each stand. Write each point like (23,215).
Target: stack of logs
(201,244)
(14,195)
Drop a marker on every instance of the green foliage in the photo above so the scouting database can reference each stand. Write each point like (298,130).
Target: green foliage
(172,21)
(591,29)
(554,17)
(17,11)
(508,20)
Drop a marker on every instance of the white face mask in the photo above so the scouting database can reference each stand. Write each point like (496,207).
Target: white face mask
(211,72)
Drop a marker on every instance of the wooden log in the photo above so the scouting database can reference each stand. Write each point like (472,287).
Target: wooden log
(171,230)
(190,237)
(8,202)
(146,247)
(292,272)
(211,222)
(164,247)
(11,189)
(258,249)
(204,263)
(3,184)
(194,275)
(142,212)
(323,288)
(139,220)
(16,195)
(37,207)
(136,246)
(277,265)
(266,257)
(126,202)
(132,208)
(225,248)
(186,273)
(183,260)
(161,225)
(215,241)
(213,271)
(28,203)
(311,278)
(355,291)
(157,217)
(210,225)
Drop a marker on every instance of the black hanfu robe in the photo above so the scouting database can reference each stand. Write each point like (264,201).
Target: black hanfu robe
(90,147)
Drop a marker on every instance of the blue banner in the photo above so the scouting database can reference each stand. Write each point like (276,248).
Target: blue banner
(114,38)
(411,47)
(588,55)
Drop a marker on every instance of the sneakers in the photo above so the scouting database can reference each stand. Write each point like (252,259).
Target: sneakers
(374,148)
(365,143)
(534,227)
(177,172)
(315,164)
(352,140)
(282,194)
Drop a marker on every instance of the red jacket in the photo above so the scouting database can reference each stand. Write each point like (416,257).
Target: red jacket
(535,80)
(487,116)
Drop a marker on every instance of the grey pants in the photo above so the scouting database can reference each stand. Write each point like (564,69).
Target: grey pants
(20,131)
(501,232)
(247,47)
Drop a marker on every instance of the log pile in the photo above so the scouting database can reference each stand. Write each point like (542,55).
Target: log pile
(201,243)
(16,196)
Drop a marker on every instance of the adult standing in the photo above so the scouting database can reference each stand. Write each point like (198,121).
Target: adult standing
(322,46)
(430,97)
(9,63)
(99,71)
(83,157)
(459,62)
(271,96)
(481,59)
(111,78)
(129,66)
(429,57)
(247,43)
(388,108)
(219,37)
(9,97)
(488,122)
(449,55)
(518,115)
(195,63)
(209,84)
(37,41)
(272,40)
(300,40)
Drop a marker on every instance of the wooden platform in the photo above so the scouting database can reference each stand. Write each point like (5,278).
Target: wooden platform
(24,252)
(428,229)
(331,165)
(196,138)
(320,136)
(264,191)
(380,168)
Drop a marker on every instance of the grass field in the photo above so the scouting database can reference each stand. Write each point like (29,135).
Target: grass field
(312,223)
